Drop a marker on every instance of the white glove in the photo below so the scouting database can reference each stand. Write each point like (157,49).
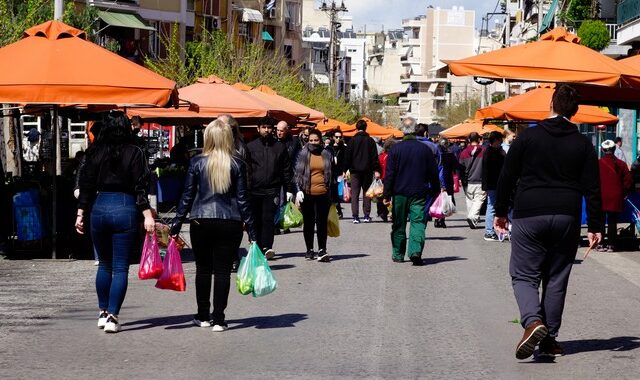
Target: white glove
(289,197)
(76,193)
(299,197)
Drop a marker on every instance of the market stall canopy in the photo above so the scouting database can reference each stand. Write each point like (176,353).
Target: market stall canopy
(211,97)
(534,105)
(242,87)
(54,64)
(327,125)
(556,57)
(269,96)
(462,130)
(375,130)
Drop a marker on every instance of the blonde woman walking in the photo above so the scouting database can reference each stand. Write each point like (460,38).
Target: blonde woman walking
(215,196)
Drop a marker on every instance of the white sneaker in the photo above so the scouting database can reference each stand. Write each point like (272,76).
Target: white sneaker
(102,319)
(96,263)
(112,325)
(270,254)
(219,328)
(200,323)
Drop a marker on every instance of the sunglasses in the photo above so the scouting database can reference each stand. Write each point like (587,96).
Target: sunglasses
(338,137)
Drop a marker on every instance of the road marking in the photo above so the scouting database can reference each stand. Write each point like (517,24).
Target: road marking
(617,263)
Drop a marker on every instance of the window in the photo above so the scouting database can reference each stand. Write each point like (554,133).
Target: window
(211,23)
(292,15)
(154,39)
(353,86)
(191,5)
(288,53)
(351,50)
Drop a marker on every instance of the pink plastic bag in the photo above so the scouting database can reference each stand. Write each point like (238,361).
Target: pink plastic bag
(150,261)
(456,183)
(173,275)
(347,192)
(442,207)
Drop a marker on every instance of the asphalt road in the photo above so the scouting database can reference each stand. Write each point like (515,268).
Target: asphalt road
(360,316)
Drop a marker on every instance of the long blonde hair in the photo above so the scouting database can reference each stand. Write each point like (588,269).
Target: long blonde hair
(218,147)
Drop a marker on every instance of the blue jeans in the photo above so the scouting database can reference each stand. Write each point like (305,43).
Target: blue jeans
(114,224)
(488,221)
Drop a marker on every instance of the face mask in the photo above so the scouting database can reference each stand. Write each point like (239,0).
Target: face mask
(315,148)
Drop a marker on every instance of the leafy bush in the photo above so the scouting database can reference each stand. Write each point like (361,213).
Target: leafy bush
(594,34)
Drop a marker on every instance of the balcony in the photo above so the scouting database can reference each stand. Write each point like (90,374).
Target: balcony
(411,42)
(628,11)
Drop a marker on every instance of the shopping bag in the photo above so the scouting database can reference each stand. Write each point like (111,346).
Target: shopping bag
(263,280)
(436,209)
(333,222)
(448,207)
(291,217)
(456,183)
(172,277)
(347,192)
(340,187)
(244,276)
(375,190)
(150,261)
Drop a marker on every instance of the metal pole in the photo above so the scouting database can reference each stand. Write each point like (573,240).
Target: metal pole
(332,67)
(540,3)
(58,10)
(54,188)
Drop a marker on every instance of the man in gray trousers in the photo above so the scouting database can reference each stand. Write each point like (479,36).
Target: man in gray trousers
(548,169)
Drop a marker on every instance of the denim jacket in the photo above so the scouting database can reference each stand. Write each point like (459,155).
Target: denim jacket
(200,202)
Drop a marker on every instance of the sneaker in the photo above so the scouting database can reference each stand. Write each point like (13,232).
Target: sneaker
(102,319)
(269,254)
(200,323)
(323,256)
(384,218)
(340,215)
(416,260)
(235,265)
(96,263)
(610,249)
(472,224)
(366,219)
(112,325)
(601,248)
(491,237)
(310,254)
(397,260)
(550,348)
(533,334)
(356,220)
(220,327)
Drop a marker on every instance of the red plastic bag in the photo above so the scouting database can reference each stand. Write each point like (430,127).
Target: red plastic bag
(346,192)
(173,276)
(456,183)
(150,261)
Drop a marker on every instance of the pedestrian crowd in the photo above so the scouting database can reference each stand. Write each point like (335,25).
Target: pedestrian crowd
(529,186)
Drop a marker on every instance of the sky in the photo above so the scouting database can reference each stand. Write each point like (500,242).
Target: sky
(376,13)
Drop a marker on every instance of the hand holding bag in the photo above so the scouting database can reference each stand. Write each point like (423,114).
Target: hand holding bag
(150,261)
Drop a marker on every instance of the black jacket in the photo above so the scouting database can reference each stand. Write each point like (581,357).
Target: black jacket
(361,154)
(270,166)
(492,162)
(551,167)
(411,170)
(293,148)
(338,154)
(200,202)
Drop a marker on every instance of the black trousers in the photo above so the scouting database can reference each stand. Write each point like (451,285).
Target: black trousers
(612,227)
(215,246)
(360,181)
(315,211)
(264,210)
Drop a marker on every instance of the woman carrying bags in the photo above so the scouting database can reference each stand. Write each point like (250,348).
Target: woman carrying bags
(313,177)
(113,184)
(215,196)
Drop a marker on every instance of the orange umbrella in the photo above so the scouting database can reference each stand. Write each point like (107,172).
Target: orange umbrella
(375,130)
(327,125)
(54,64)
(242,87)
(267,95)
(534,105)
(556,57)
(462,130)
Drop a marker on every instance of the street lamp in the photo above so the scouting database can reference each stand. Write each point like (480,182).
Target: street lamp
(333,11)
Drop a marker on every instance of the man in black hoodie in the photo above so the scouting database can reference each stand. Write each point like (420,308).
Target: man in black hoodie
(270,170)
(361,160)
(550,168)
(492,162)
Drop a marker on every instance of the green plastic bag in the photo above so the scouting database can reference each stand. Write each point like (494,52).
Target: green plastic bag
(254,275)
(245,275)
(291,217)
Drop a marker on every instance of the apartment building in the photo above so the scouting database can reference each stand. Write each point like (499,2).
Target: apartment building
(384,68)
(440,34)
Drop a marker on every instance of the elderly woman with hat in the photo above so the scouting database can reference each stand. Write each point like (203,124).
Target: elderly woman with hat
(615,184)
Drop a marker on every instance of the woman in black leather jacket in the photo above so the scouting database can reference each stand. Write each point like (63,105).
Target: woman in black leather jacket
(215,196)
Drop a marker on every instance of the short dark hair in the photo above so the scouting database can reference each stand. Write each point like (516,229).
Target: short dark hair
(314,131)
(422,130)
(267,121)
(474,137)
(565,100)
(617,139)
(337,130)
(495,136)
(361,125)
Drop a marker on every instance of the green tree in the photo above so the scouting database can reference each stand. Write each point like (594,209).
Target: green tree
(580,10)
(594,34)
(460,110)
(251,64)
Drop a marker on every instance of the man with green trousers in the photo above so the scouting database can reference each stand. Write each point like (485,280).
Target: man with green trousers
(411,178)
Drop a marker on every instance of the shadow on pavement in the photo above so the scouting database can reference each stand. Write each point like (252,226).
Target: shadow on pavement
(347,257)
(438,260)
(289,254)
(169,321)
(267,322)
(450,238)
(281,266)
(618,344)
